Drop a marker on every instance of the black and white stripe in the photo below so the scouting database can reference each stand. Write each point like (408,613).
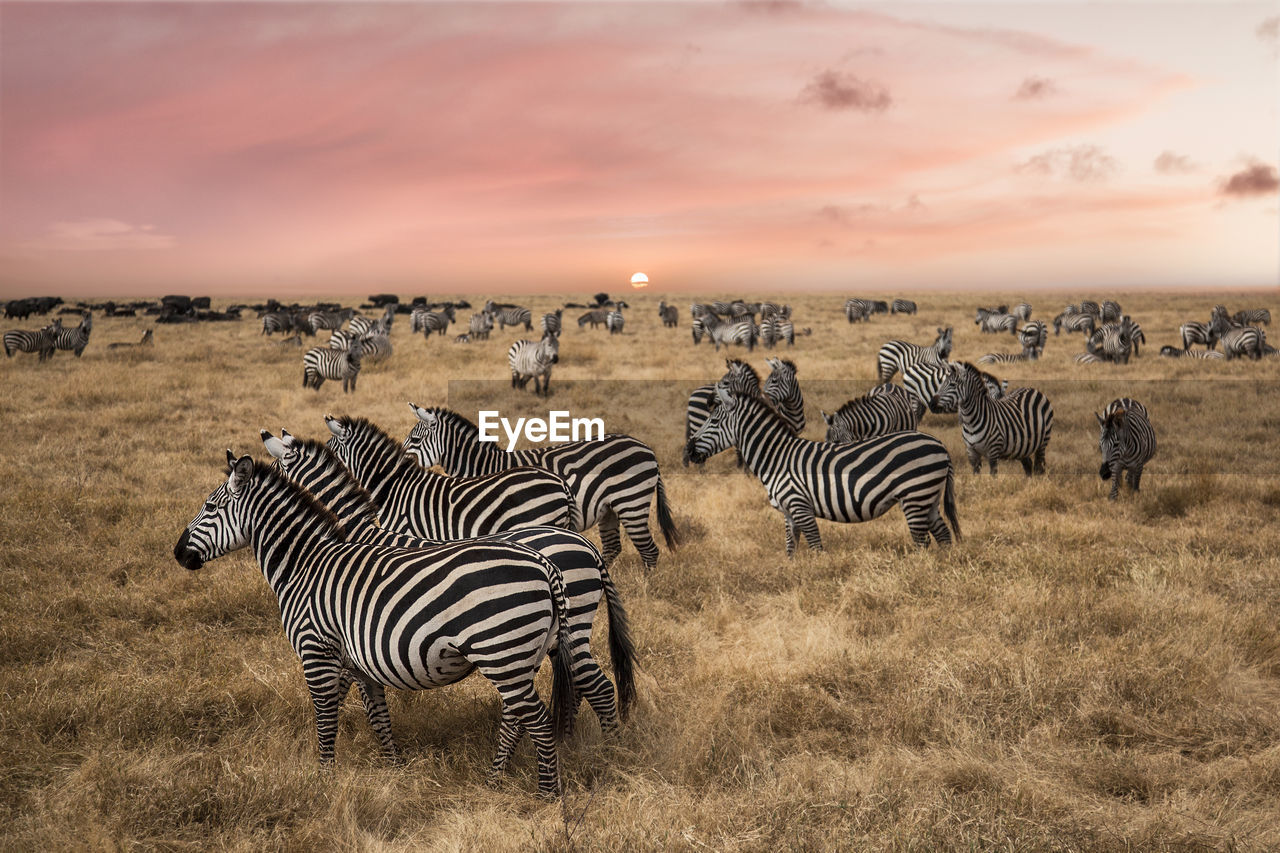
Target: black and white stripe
(777,327)
(318,320)
(992,322)
(1109,311)
(782,391)
(1017,426)
(884,409)
(321,363)
(375,347)
(551,322)
(925,379)
(510,315)
(807,480)
(740,377)
(856,309)
(533,360)
(897,356)
(75,339)
(1174,352)
(361,325)
(1127,442)
(480,326)
(741,332)
(595,317)
(32,340)
(1242,341)
(1022,311)
(415,500)
(411,618)
(903,306)
(1074,322)
(1252,317)
(428,322)
(612,480)
(614,322)
(1193,332)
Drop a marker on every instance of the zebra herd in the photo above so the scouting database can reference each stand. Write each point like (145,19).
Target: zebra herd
(50,339)
(734,323)
(1240,333)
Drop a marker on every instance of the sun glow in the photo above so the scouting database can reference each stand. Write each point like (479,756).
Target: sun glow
(639,280)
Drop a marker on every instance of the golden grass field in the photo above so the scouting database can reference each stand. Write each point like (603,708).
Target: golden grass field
(1076,675)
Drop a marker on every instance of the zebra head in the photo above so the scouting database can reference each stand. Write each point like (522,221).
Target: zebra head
(719,431)
(220,526)
(426,441)
(782,380)
(943,343)
(1112,429)
(549,348)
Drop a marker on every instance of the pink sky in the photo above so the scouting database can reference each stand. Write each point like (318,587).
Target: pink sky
(237,148)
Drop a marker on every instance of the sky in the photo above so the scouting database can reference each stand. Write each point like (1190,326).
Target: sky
(241,148)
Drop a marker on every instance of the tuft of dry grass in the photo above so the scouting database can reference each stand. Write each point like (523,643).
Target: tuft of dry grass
(1077,674)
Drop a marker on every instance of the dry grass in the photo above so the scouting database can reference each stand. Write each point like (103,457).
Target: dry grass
(1076,675)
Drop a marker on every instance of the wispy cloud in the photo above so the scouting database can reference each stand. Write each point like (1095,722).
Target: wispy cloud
(96,235)
(1257,179)
(1269,32)
(1080,163)
(1034,88)
(1172,163)
(835,90)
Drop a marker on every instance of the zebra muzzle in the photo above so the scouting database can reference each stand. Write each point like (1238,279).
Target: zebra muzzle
(186,558)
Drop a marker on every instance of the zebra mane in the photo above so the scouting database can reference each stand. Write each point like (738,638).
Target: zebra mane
(746,368)
(453,417)
(381,441)
(267,473)
(791,365)
(333,465)
(762,403)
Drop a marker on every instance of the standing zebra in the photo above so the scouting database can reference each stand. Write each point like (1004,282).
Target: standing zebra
(858,309)
(1076,322)
(897,356)
(884,409)
(612,479)
(317,469)
(670,315)
(74,339)
(37,340)
(903,306)
(742,332)
(1033,336)
(331,320)
(1022,311)
(1252,317)
(740,377)
(412,618)
(923,380)
(480,326)
(551,322)
(807,480)
(361,325)
(321,363)
(510,315)
(432,321)
(1112,341)
(415,500)
(777,327)
(1109,311)
(992,322)
(533,359)
(1127,442)
(782,392)
(1014,427)
(595,317)
(1193,332)
(1242,341)
(613,321)
(375,347)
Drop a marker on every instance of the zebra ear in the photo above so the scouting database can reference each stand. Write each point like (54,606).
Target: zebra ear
(1101,422)
(826,419)
(231,457)
(423,415)
(274,445)
(725,398)
(334,426)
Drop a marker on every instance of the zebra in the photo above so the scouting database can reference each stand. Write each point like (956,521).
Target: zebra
(279,321)
(670,315)
(74,339)
(1016,426)
(1127,442)
(480,326)
(533,359)
(1090,307)
(1109,311)
(148,338)
(1112,341)
(1252,317)
(1174,352)
(1033,336)
(415,500)
(1022,311)
(992,322)
(858,309)
(726,332)
(316,468)
(375,347)
(1088,358)
(1193,332)
(510,315)
(777,327)
(807,480)
(897,356)
(321,363)
(924,379)
(412,618)
(38,340)
(1006,357)
(613,321)
(318,320)
(551,322)
(884,409)
(361,325)
(740,377)
(782,392)
(595,317)
(432,321)
(1074,322)
(612,479)
(903,306)
(1242,341)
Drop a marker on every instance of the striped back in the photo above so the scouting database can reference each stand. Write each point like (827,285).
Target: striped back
(882,410)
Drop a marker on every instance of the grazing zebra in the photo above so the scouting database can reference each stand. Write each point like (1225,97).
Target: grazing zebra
(1252,317)
(782,392)
(1016,426)
(533,360)
(1193,332)
(481,325)
(1127,442)
(1022,311)
(903,306)
(1174,352)
(1109,311)
(1074,322)
(807,480)
(412,618)
(884,409)
(551,322)
(596,317)
(510,315)
(740,377)
(897,356)
(321,363)
(415,500)
(670,315)
(317,469)
(858,309)
(991,322)
(427,322)
(148,338)
(74,339)
(36,340)
(726,332)
(318,320)
(612,479)
(613,321)
(1242,341)
(278,321)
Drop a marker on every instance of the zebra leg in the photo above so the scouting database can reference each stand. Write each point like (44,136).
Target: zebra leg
(610,538)
(1116,472)
(801,518)
(522,706)
(992,463)
(1026,465)
(324,677)
(937,526)
(1135,477)
(975,458)
(375,708)
(921,520)
(589,681)
(1039,466)
(638,532)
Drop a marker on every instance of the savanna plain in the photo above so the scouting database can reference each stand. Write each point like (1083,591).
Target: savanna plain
(1076,674)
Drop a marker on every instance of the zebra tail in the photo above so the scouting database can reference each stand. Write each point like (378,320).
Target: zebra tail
(622,649)
(949,503)
(665,521)
(564,699)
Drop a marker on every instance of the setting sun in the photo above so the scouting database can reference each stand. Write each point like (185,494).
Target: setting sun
(639,280)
